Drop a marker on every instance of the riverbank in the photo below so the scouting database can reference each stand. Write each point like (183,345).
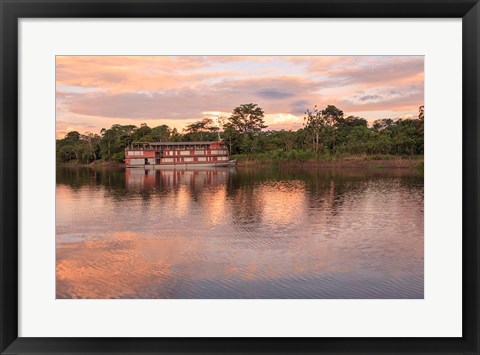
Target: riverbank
(94,164)
(350,162)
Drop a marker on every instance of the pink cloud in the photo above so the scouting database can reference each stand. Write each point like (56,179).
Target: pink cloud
(94,90)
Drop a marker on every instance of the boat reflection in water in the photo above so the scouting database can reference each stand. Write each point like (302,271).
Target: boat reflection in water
(136,179)
(238,233)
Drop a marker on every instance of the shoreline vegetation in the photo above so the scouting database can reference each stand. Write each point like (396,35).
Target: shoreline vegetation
(354,162)
(327,139)
(349,162)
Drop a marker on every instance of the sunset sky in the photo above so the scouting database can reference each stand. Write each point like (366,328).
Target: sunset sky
(94,92)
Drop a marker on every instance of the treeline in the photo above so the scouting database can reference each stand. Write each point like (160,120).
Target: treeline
(326,132)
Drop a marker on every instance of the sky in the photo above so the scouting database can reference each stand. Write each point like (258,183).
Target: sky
(95,92)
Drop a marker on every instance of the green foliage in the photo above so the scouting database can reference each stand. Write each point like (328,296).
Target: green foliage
(326,134)
(161,133)
(247,118)
(82,148)
(243,130)
(203,130)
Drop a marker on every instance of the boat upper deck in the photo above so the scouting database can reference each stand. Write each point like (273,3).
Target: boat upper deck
(159,146)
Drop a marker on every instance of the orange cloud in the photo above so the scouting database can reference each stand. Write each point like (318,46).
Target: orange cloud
(93,91)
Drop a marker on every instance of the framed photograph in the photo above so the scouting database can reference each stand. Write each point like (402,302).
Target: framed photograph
(239,177)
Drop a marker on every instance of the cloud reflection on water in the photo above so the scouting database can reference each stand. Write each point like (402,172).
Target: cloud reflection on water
(239,234)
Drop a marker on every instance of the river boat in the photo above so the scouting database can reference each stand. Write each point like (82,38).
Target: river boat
(157,155)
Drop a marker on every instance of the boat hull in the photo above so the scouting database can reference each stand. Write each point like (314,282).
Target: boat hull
(184,165)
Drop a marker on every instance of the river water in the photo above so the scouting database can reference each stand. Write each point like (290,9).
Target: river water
(239,233)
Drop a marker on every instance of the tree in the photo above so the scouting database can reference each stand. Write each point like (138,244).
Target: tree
(141,134)
(199,128)
(314,123)
(72,136)
(160,133)
(230,136)
(322,124)
(345,129)
(421,112)
(247,118)
(80,147)
(93,142)
(383,123)
(114,140)
(333,118)
(72,145)
(244,132)
(220,122)
(352,121)
(357,140)
(175,136)
(332,115)
(243,126)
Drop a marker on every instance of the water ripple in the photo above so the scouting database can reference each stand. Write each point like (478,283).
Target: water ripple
(243,234)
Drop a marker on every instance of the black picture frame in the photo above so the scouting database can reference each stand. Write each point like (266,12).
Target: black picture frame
(12,11)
